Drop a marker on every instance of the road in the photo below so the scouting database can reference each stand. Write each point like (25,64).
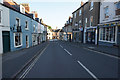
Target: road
(62,60)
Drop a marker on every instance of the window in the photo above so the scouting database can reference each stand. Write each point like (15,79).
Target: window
(85,22)
(18,41)
(91,21)
(107,34)
(80,12)
(17,22)
(34,28)
(117,11)
(106,12)
(75,15)
(0,16)
(26,24)
(91,5)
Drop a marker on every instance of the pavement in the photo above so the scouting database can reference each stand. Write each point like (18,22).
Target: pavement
(61,59)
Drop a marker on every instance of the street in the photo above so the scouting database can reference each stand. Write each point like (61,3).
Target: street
(61,60)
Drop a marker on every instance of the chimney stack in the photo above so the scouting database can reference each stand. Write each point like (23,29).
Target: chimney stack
(82,3)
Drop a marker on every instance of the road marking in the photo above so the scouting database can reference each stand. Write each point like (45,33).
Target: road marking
(103,53)
(61,46)
(68,52)
(88,71)
(30,67)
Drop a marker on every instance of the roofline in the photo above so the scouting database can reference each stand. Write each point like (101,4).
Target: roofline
(18,12)
(80,7)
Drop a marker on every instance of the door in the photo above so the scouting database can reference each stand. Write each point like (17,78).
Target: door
(27,42)
(6,41)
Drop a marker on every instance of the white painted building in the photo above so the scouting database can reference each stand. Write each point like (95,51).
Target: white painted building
(109,22)
(4,27)
(49,34)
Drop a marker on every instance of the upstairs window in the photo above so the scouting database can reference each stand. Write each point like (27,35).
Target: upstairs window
(117,11)
(0,16)
(106,12)
(80,12)
(75,15)
(85,22)
(91,21)
(26,24)
(34,28)
(91,5)
(17,22)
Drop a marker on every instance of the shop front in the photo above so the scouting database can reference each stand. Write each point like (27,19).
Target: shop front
(91,35)
(109,34)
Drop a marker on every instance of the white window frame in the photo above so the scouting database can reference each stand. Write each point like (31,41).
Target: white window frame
(105,12)
(80,12)
(75,15)
(90,21)
(91,5)
(34,28)
(27,25)
(16,22)
(1,16)
(86,20)
(14,41)
(108,37)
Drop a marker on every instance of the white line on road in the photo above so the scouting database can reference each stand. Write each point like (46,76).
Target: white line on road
(102,53)
(88,71)
(61,46)
(68,52)
(30,67)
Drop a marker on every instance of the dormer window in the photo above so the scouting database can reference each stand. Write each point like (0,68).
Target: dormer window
(91,5)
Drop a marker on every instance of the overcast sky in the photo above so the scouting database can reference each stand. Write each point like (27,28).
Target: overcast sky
(53,12)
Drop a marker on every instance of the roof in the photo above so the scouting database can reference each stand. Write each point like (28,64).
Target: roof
(6,4)
(80,7)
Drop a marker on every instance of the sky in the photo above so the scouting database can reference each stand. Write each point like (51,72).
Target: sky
(53,12)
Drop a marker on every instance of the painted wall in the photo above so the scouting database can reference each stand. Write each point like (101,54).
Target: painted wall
(23,18)
(5,25)
(111,9)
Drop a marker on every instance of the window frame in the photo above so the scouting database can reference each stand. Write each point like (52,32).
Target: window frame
(16,46)
(26,28)
(106,13)
(91,5)
(0,16)
(80,12)
(91,23)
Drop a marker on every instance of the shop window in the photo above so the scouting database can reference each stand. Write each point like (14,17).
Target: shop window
(18,41)
(107,34)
